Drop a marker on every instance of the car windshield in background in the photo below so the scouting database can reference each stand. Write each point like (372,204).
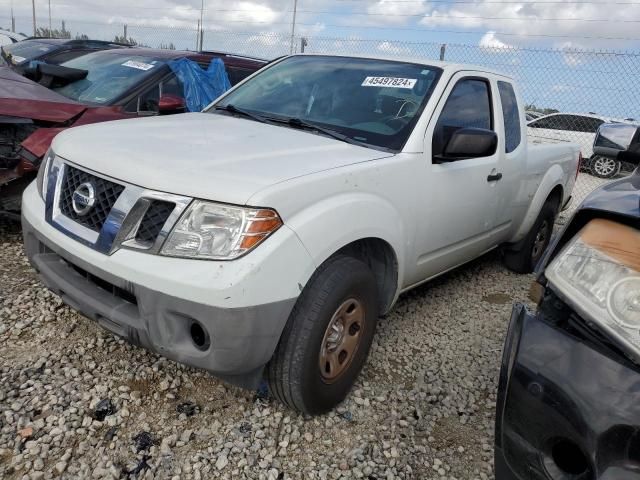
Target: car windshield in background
(371,102)
(110,75)
(22,52)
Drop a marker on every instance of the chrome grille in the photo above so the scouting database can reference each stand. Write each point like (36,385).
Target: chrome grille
(121,215)
(107,194)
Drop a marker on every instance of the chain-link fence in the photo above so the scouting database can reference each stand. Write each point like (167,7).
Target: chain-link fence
(568,92)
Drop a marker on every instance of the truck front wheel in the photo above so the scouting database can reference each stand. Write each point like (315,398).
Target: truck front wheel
(327,337)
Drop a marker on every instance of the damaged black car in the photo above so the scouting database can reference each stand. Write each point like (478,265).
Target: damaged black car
(568,400)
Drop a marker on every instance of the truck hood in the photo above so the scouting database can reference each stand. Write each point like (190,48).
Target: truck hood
(21,97)
(203,155)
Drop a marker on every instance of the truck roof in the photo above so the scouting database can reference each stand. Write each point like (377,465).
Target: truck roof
(447,66)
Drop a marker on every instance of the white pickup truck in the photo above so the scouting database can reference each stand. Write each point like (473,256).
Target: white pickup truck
(265,236)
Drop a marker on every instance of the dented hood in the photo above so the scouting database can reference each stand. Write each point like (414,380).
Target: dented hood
(21,97)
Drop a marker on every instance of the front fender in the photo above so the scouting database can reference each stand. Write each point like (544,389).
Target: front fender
(552,179)
(327,226)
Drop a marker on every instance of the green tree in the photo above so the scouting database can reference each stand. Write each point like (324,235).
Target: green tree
(122,39)
(545,111)
(53,32)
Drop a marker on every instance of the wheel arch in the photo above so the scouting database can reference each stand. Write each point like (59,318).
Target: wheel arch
(381,259)
(551,187)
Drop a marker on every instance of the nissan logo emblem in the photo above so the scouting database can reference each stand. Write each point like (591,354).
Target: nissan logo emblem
(84,198)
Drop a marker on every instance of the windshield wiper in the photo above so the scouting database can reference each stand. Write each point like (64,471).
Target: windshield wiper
(239,111)
(303,124)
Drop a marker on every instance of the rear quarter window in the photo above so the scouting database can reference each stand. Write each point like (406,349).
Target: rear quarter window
(511,115)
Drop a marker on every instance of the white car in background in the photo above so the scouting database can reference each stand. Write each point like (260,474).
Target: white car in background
(581,129)
(7,37)
(531,115)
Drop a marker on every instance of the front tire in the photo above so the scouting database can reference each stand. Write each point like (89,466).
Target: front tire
(524,257)
(603,167)
(327,337)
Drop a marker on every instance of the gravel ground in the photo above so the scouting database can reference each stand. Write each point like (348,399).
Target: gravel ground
(77,402)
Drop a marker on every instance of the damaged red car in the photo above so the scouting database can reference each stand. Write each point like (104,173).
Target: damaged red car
(98,87)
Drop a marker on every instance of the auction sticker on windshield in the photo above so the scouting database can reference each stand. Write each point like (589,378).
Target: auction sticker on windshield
(391,82)
(138,65)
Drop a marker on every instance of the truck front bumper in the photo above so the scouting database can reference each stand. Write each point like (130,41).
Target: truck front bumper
(567,408)
(200,313)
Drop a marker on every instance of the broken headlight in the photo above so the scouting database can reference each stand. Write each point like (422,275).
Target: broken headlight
(43,174)
(598,274)
(215,231)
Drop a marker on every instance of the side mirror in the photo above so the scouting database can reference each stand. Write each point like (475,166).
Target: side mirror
(470,143)
(171,104)
(619,141)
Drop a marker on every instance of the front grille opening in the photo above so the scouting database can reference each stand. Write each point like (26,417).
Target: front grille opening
(153,221)
(106,286)
(569,458)
(106,194)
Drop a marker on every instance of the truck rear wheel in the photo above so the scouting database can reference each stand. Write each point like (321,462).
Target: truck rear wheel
(523,257)
(327,337)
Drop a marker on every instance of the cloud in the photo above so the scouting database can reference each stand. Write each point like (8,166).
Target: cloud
(250,12)
(243,15)
(571,54)
(392,48)
(491,42)
(393,12)
(548,22)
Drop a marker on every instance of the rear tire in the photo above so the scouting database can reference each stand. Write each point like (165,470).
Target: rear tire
(317,361)
(524,257)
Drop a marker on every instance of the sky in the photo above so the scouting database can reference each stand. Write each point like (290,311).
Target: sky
(561,24)
(475,31)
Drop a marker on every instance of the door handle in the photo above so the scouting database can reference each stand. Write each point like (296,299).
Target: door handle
(494,178)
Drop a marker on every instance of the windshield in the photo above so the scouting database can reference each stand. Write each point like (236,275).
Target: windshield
(26,50)
(110,76)
(372,102)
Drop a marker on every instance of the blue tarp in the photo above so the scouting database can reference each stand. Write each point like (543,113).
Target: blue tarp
(201,87)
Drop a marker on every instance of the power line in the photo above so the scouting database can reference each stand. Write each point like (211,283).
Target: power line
(373,27)
(409,15)
(468,17)
(498,2)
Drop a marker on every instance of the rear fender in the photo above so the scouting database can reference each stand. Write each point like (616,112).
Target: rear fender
(553,178)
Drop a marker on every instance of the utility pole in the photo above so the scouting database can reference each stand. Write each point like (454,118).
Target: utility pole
(200,34)
(49,17)
(33,7)
(13,19)
(293,26)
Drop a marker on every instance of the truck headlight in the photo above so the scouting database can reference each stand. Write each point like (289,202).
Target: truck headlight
(215,231)
(43,174)
(598,274)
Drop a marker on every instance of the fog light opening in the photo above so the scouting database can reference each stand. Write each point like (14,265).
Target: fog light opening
(199,336)
(569,458)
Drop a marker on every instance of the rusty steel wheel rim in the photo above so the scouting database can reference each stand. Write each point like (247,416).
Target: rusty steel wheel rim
(341,340)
